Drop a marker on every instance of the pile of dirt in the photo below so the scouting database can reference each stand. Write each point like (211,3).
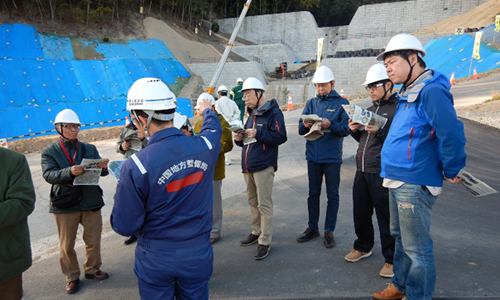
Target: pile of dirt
(38,143)
(481,16)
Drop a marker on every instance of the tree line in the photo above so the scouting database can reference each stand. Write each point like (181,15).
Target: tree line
(188,12)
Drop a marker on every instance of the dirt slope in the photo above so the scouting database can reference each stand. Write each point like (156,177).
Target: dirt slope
(481,16)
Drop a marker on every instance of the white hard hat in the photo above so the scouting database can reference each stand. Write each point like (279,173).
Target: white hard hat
(403,41)
(252,83)
(67,116)
(239,80)
(179,120)
(202,97)
(376,73)
(323,74)
(222,88)
(150,94)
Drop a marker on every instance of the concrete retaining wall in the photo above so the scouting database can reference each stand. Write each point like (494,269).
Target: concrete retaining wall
(231,72)
(297,31)
(269,55)
(388,19)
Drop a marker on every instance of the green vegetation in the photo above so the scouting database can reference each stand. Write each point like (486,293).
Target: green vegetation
(187,12)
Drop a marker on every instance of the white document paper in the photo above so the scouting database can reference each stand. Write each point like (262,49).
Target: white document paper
(91,174)
(475,186)
(363,116)
(240,130)
(115,168)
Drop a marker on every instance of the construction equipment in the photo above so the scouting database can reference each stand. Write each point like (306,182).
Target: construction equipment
(211,88)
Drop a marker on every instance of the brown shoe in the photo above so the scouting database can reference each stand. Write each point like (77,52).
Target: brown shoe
(387,271)
(99,275)
(390,293)
(72,286)
(214,240)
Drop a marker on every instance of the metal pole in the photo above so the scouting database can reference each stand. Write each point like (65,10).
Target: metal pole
(211,88)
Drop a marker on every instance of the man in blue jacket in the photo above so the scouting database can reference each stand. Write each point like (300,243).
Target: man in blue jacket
(425,145)
(264,132)
(165,195)
(324,155)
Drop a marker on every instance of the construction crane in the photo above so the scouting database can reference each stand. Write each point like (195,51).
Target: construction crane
(211,88)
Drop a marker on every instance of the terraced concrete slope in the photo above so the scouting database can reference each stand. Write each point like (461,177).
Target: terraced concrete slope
(481,16)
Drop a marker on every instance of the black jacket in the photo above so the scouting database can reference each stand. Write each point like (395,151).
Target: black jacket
(370,145)
(271,132)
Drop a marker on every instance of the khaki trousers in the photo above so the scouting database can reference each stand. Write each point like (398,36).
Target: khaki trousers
(217,210)
(259,194)
(67,226)
(12,289)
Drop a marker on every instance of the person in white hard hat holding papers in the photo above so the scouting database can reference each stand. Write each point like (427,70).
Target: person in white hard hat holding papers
(424,146)
(367,190)
(264,132)
(229,110)
(165,196)
(74,205)
(226,145)
(324,154)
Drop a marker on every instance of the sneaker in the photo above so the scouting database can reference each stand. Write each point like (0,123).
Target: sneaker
(356,255)
(308,235)
(250,240)
(390,293)
(132,239)
(262,252)
(329,240)
(214,240)
(404,298)
(386,271)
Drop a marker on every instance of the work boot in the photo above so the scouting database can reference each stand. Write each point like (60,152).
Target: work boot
(72,286)
(250,240)
(390,293)
(308,235)
(329,240)
(356,255)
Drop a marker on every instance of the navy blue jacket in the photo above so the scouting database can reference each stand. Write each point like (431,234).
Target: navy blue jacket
(271,132)
(165,190)
(328,148)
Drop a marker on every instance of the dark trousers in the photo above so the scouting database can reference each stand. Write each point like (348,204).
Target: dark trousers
(12,289)
(367,194)
(315,172)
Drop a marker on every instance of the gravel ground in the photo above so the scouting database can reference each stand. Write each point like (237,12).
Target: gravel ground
(487,113)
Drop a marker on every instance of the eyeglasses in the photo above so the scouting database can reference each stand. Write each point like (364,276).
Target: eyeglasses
(71,126)
(373,86)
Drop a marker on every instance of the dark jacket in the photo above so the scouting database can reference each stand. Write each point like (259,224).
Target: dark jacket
(271,132)
(17,201)
(328,148)
(226,145)
(129,133)
(56,170)
(370,145)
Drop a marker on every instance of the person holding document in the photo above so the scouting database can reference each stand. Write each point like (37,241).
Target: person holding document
(73,205)
(367,191)
(425,145)
(324,154)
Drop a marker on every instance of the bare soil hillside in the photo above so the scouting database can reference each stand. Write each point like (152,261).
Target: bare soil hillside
(481,16)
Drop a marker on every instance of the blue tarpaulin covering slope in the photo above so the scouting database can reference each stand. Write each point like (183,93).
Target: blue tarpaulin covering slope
(43,78)
(454,54)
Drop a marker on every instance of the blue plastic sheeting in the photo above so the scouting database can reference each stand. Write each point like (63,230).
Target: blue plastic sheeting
(454,54)
(153,49)
(19,41)
(33,91)
(184,107)
(54,47)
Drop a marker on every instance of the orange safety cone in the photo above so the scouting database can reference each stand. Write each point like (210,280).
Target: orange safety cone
(290,103)
(127,121)
(452,79)
(474,75)
(342,92)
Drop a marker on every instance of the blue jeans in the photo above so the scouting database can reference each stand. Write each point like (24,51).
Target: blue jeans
(414,268)
(315,172)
